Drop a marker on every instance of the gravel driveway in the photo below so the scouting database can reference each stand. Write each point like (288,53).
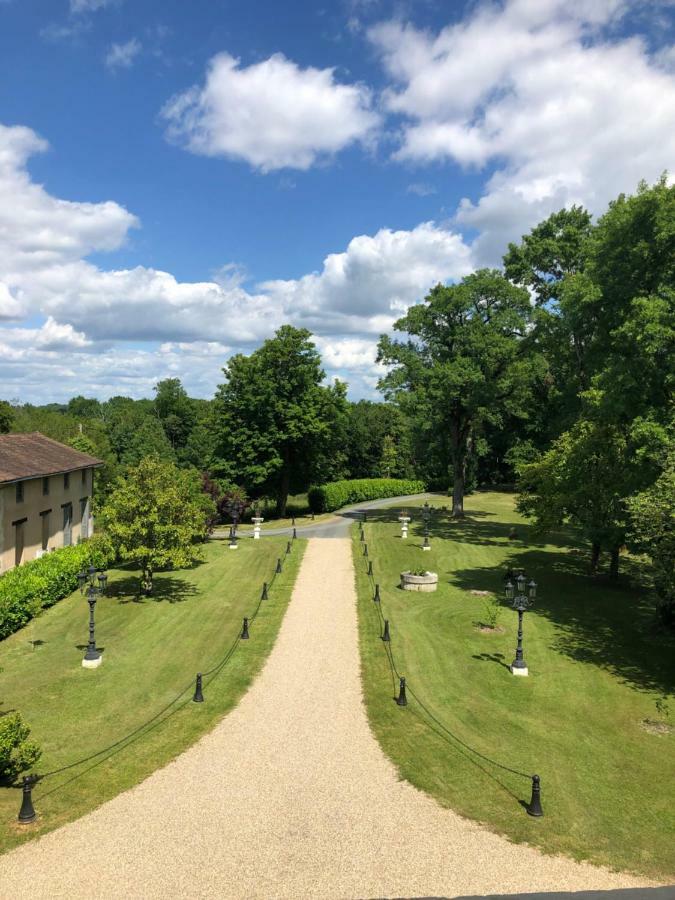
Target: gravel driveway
(290,796)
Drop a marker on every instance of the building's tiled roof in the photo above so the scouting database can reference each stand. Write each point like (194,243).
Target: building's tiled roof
(33,455)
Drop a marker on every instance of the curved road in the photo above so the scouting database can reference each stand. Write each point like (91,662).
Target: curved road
(338,527)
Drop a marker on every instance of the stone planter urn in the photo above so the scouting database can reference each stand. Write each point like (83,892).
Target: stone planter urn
(427,582)
(257,522)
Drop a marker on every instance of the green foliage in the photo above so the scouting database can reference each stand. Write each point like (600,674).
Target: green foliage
(175,411)
(652,531)
(369,425)
(40,583)
(492,612)
(154,516)
(278,427)
(6,417)
(335,495)
(470,365)
(17,752)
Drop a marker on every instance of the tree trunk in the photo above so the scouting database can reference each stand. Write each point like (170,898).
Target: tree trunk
(458,488)
(458,442)
(614,564)
(595,558)
(283,488)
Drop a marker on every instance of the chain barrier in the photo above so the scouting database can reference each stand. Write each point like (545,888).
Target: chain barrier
(27,813)
(387,643)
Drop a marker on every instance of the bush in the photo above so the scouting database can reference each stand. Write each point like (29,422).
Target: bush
(17,752)
(41,583)
(336,494)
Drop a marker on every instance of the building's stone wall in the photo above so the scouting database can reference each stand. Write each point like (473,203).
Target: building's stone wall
(34,502)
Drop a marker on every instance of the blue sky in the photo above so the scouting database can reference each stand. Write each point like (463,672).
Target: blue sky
(179,178)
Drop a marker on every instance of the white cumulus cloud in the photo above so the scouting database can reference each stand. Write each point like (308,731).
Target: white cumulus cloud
(272,114)
(92,317)
(544,92)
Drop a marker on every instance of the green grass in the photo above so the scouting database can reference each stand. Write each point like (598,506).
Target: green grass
(151,651)
(597,665)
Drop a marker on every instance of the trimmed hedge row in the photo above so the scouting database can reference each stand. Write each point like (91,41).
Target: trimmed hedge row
(336,494)
(35,585)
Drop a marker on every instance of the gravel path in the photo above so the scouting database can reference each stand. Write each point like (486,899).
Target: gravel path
(289,796)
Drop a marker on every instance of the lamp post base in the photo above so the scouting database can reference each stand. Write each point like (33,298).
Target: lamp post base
(519,670)
(92,663)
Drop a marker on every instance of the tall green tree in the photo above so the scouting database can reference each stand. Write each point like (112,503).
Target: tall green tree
(467,361)
(155,515)
(652,531)
(369,425)
(6,417)
(175,411)
(276,422)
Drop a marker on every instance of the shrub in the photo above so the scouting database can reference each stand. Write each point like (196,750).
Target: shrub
(336,494)
(17,752)
(41,583)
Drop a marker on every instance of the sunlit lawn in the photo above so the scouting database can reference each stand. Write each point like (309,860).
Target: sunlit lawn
(152,651)
(597,666)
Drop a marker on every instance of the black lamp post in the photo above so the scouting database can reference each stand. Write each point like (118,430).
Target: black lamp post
(94,583)
(522,597)
(235,507)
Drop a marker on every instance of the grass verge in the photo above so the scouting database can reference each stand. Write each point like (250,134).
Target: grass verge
(151,651)
(597,666)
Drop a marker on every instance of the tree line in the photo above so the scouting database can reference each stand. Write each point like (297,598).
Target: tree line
(554,372)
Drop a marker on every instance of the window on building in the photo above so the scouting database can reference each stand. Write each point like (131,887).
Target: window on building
(67,524)
(45,516)
(19,492)
(66,480)
(18,541)
(45,486)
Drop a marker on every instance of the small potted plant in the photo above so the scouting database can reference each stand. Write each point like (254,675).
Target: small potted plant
(419,580)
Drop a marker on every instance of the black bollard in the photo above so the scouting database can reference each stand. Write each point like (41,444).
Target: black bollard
(293,521)
(288,548)
(295,534)
(263,596)
(278,568)
(365,549)
(365,516)
(362,535)
(402,700)
(27,812)
(385,635)
(198,697)
(244,630)
(370,567)
(376,598)
(534,808)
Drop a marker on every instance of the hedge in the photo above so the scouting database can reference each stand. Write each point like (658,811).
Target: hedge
(336,494)
(33,586)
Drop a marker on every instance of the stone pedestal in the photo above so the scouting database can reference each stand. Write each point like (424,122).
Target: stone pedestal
(92,663)
(257,522)
(404,526)
(519,671)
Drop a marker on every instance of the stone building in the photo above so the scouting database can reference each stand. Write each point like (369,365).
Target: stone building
(45,496)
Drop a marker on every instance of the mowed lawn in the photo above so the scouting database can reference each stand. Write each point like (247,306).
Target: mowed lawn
(152,651)
(597,666)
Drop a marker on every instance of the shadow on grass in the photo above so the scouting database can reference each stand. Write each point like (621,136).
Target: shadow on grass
(608,625)
(165,588)
(492,657)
